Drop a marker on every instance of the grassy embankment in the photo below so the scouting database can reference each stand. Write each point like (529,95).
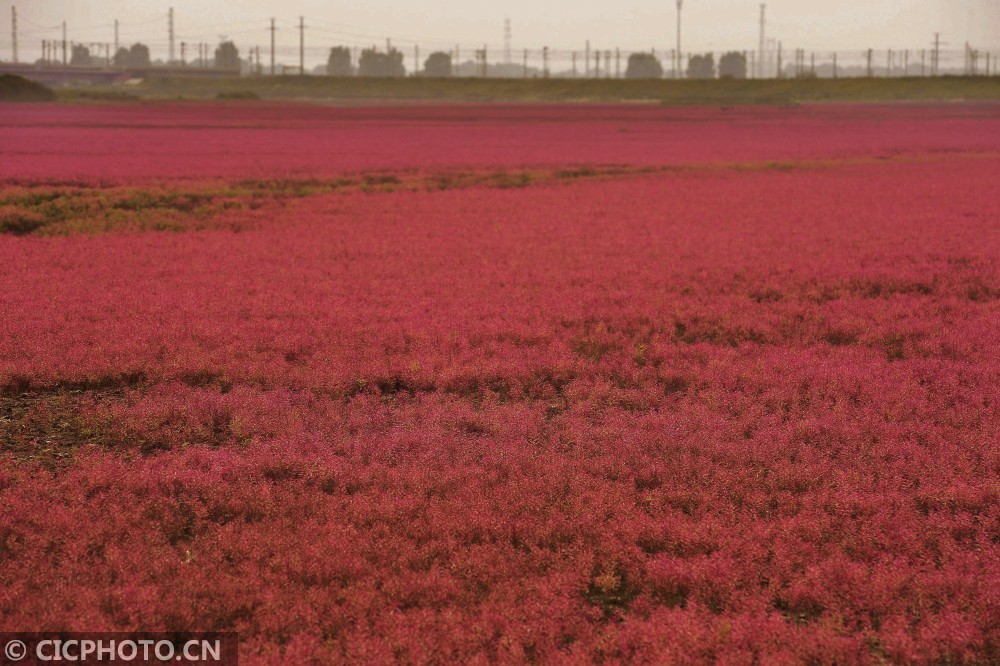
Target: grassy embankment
(785,91)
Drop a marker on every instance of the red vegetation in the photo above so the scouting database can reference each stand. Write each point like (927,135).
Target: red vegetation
(739,415)
(122,143)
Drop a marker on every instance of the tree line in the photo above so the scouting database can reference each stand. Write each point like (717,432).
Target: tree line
(227,56)
(375,63)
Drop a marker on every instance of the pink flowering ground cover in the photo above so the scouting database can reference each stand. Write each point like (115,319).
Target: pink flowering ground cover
(728,403)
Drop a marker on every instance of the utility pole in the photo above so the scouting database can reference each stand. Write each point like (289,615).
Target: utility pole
(923,62)
(545,62)
(65,61)
(888,63)
(778,73)
(170,29)
(183,54)
(586,61)
(834,64)
(760,46)
(416,59)
(618,63)
(574,64)
(116,36)
(507,33)
(13,30)
(272,47)
(680,4)
(302,46)
(869,66)
(525,63)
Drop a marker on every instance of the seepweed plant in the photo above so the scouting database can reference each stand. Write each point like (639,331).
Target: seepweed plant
(692,415)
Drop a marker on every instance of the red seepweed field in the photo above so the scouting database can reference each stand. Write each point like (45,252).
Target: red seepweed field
(505,384)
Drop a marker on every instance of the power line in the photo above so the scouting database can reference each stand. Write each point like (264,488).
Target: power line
(552,59)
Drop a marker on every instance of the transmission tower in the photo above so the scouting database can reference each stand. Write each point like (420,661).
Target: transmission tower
(302,46)
(272,47)
(170,16)
(506,41)
(677,68)
(13,43)
(936,57)
(760,47)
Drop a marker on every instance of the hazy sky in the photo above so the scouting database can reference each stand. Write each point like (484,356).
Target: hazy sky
(563,24)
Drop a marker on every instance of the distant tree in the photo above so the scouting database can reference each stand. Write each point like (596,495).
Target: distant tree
(701,67)
(139,53)
(227,56)
(733,65)
(137,56)
(438,65)
(373,63)
(396,67)
(643,66)
(339,62)
(81,56)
